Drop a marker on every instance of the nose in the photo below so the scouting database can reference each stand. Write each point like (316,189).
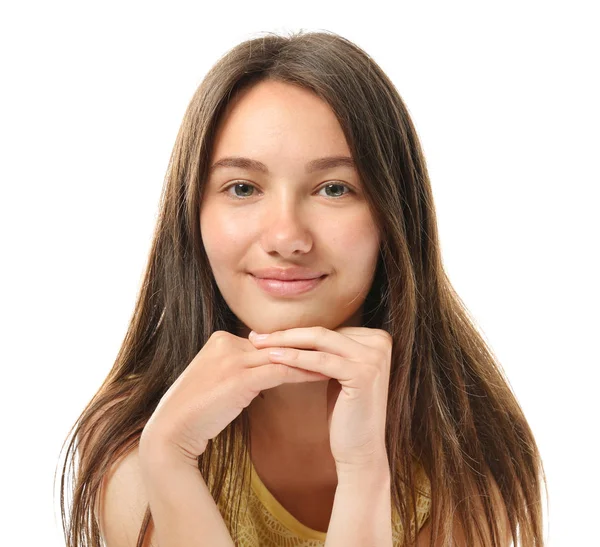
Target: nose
(286,228)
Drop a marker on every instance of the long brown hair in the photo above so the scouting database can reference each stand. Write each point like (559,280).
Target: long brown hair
(450,405)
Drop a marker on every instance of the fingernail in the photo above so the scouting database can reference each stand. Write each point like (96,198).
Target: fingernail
(258,336)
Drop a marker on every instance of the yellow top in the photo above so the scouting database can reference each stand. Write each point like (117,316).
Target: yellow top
(265,522)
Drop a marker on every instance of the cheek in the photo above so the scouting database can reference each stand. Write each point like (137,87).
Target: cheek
(357,236)
(358,248)
(222,237)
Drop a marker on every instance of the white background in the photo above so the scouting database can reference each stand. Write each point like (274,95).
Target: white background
(504,97)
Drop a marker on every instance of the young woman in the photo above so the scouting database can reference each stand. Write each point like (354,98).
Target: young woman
(297,205)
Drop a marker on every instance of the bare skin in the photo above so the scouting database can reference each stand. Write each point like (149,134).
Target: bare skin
(289,218)
(299,472)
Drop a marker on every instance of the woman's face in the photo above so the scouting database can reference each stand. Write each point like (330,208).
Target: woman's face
(287,215)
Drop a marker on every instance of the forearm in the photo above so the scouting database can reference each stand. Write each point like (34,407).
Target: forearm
(362,510)
(183,510)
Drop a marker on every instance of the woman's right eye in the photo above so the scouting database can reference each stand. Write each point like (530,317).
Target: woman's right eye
(243,185)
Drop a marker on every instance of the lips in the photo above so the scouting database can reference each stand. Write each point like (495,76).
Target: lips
(292,273)
(280,287)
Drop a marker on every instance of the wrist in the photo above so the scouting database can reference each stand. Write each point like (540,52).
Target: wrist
(375,474)
(374,463)
(362,507)
(156,451)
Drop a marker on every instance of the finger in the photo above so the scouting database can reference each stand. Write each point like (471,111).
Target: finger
(315,338)
(260,357)
(355,331)
(327,364)
(274,374)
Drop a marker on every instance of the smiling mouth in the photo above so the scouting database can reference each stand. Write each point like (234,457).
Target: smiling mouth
(279,287)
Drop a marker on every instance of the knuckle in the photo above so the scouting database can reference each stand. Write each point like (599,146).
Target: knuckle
(221,338)
(385,334)
(385,340)
(218,335)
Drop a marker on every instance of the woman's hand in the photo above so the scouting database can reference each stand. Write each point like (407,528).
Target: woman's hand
(359,359)
(222,379)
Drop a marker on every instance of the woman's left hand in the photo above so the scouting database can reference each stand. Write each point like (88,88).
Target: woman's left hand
(359,359)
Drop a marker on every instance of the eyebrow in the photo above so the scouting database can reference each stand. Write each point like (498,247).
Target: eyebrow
(320,164)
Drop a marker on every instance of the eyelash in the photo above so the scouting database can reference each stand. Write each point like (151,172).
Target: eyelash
(237,183)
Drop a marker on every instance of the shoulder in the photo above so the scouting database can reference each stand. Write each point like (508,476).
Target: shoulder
(122,500)
(122,504)
(423,538)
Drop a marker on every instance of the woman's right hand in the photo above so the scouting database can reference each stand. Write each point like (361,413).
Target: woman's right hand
(222,379)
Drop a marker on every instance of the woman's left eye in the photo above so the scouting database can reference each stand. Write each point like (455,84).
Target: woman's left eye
(340,185)
(326,186)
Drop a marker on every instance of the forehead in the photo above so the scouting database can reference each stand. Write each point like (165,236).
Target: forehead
(279,120)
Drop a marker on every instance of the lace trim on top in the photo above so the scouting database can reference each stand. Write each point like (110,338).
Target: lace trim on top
(265,522)
(272,506)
